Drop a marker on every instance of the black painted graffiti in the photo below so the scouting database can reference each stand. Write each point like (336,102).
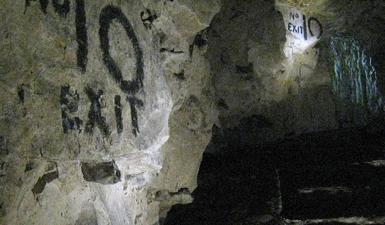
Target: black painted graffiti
(27,4)
(21,93)
(107,15)
(43,5)
(61,9)
(118,114)
(293,16)
(81,35)
(148,18)
(134,104)
(95,114)
(132,87)
(295,29)
(305,27)
(69,101)
(319,24)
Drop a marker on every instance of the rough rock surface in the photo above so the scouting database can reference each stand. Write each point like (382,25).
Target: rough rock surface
(288,75)
(288,90)
(98,98)
(107,106)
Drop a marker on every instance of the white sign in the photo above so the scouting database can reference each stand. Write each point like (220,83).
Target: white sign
(302,31)
(303,27)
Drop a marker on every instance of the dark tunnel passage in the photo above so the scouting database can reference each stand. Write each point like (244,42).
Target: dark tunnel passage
(329,177)
(301,133)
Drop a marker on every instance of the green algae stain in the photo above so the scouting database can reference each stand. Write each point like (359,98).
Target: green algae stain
(354,76)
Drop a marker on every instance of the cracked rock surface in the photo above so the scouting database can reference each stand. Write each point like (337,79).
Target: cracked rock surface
(96,97)
(107,106)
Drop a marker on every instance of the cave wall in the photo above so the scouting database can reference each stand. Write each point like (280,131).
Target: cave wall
(104,105)
(276,90)
(353,32)
(107,106)
(294,67)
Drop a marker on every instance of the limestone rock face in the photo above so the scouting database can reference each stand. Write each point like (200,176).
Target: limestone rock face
(107,106)
(102,104)
(294,67)
(354,39)
(278,80)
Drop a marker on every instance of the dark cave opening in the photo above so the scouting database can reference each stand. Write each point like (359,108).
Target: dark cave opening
(302,136)
(327,177)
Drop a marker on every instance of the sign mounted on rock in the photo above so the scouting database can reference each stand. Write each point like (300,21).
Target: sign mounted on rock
(302,31)
(303,27)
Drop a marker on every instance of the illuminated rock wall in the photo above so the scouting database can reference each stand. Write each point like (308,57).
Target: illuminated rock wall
(107,106)
(91,92)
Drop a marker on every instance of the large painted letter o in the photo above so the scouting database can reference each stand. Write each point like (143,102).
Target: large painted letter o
(108,14)
(319,24)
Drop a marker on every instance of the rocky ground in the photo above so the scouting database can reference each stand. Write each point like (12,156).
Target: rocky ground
(331,177)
